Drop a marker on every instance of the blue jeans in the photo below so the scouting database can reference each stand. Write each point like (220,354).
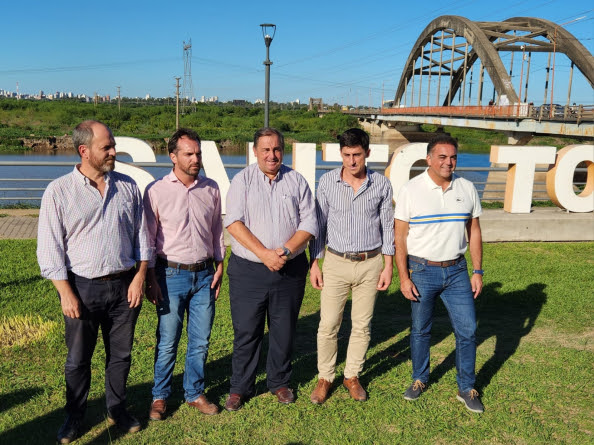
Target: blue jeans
(183,291)
(452,284)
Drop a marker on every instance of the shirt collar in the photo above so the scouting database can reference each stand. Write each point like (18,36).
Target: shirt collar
(336,175)
(278,177)
(82,178)
(173,178)
(432,185)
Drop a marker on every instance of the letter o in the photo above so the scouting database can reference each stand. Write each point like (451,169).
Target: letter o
(560,179)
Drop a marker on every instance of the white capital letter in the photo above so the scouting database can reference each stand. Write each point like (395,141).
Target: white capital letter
(560,179)
(520,173)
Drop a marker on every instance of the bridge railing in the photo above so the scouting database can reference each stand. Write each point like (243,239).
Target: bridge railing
(567,113)
(15,190)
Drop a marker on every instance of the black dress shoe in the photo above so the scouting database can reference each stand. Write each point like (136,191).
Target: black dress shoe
(70,430)
(124,421)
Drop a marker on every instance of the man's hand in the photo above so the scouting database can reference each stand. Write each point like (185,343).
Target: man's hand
(135,290)
(217,279)
(385,278)
(70,304)
(476,281)
(315,275)
(153,290)
(281,253)
(272,259)
(408,289)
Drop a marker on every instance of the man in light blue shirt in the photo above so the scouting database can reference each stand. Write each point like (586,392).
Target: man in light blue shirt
(270,216)
(92,244)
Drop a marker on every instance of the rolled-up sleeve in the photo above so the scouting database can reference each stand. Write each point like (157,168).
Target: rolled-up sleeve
(51,254)
(316,247)
(308,222)
(142,247)
(217,229)
(387,221)
(236,200)
(150,216)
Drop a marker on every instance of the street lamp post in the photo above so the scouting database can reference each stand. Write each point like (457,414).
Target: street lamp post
(267,29)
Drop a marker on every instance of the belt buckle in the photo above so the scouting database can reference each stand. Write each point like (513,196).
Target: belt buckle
(357,256)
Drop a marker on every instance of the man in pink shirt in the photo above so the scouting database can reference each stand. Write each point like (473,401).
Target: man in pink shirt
(183,212)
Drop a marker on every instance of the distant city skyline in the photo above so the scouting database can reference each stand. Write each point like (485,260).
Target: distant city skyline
(344,52)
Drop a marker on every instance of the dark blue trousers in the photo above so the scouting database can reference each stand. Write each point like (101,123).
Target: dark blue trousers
(257,295)
(104,304)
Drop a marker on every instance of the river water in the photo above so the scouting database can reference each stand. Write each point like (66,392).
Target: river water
(12,176)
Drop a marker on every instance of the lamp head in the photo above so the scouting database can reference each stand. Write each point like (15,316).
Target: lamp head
(267,30)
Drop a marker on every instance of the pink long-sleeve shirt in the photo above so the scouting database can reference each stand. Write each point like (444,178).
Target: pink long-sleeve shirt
(184,223)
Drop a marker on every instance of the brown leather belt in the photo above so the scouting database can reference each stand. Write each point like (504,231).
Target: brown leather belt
(196,267)
(356,256)
(113,276)
(448,263)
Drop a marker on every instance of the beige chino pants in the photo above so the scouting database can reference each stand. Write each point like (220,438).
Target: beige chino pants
(342,276)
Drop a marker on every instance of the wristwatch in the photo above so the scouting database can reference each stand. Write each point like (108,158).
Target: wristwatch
(478,271)
(287,252)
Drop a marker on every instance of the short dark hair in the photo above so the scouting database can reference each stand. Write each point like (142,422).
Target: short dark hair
(354,137)
(181,133)
(441,139)
(83,134)
(269,131)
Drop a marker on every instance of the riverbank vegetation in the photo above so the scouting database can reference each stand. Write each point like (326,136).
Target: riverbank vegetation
(534,359)
(230,126)
(45,125)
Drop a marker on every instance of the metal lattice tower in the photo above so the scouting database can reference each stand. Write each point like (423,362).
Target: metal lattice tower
(187,88)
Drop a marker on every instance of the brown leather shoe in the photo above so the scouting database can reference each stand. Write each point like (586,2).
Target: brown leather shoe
(285,395)
(204,406)
(320,394)
(234,402)
(355,389)
(158,408)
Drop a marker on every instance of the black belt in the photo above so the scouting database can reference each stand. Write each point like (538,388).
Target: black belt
(448,263)
(356,256)
(196,267)
(114,276)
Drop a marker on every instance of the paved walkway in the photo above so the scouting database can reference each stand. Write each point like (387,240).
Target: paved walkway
(543,224)
(18,223)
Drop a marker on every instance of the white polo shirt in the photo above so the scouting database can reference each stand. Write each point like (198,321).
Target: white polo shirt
(437,218)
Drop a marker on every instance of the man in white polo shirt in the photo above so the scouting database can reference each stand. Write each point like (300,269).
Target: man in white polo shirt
(434,212)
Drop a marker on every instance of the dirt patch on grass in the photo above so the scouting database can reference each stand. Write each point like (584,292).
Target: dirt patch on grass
(22,330)
(580,342)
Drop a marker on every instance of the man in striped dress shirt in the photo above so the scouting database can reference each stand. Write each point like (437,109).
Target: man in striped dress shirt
(91,236)
(270,216)
(354,209)
(434,212)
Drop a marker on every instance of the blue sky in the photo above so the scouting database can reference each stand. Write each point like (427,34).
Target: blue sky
(348,52)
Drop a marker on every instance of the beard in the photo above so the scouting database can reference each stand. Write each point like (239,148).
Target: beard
(104,166)
(192,170)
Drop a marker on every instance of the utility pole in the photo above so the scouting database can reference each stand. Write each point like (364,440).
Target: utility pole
(119,100)
(177,103)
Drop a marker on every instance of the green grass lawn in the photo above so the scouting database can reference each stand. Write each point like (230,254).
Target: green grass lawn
(535,360)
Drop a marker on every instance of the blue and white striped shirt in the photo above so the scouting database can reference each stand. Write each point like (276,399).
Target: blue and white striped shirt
(272,210)
(354,222)
(90,235)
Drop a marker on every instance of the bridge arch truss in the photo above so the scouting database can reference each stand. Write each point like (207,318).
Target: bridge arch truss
(450,46)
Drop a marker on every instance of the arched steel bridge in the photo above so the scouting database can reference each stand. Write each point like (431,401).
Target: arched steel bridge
(444,56)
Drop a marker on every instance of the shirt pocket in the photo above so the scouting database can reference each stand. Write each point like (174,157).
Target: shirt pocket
(372,206)
(291,209)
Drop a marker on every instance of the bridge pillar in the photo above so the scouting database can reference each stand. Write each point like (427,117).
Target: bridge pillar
(394,134)
(518,137)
